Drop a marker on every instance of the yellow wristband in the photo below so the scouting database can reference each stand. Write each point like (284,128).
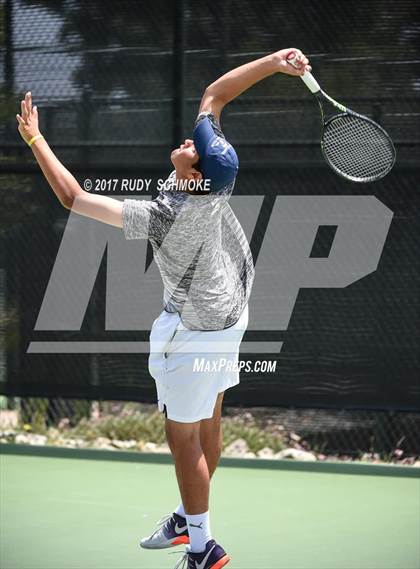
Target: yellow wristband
(34,138)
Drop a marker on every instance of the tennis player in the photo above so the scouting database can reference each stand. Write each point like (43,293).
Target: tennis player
(207,272)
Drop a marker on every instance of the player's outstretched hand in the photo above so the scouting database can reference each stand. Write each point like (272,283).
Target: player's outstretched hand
(28,119)
(300,64)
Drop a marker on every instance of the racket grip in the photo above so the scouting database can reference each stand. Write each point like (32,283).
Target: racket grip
(310,82)
(307,77)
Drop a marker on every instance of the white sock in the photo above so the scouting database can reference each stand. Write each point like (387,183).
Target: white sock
(198,531)
(180,510)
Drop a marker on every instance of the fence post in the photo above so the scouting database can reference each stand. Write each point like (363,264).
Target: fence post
(8,60)
(178,72)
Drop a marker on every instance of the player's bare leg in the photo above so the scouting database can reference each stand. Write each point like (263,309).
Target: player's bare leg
(190,465)
(211,436)
(193,479)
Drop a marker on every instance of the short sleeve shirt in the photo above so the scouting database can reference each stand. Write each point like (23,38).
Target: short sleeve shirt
(200,248)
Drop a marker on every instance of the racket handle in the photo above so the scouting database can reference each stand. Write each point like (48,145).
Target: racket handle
(310,82)
(307,77)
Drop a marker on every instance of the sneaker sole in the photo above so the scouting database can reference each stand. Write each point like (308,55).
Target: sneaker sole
(221,563)
(181,540)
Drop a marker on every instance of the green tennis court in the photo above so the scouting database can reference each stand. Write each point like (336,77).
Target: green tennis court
(66,512)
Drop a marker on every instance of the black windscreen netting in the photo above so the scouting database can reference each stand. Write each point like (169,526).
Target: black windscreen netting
(118,85)
(344,346)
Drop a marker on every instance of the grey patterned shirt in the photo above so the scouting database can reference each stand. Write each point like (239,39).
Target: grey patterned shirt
(201,251)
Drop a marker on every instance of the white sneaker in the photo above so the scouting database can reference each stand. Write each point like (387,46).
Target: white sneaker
(173,531)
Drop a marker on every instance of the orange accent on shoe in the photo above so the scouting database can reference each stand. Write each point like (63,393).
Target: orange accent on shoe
(221,563)
(181,540)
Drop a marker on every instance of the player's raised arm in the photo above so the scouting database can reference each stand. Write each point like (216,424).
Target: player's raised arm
(63,183)
(232,84)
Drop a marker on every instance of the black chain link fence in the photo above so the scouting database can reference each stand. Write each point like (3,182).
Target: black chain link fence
(325,433)
(118,85)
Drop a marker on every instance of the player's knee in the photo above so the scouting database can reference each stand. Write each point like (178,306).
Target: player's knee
(182,435)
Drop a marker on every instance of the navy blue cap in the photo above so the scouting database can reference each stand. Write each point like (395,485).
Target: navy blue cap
(218,160)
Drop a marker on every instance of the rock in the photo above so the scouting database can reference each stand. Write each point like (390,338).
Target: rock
(53,433)
(249,455)
(409,461)
(64,424)
(366,457)
(22,439)
(29,439)
(417,464)
(62,442)
(239,447)
(71,443)
(125,444)
(265,452)
(149,447)
(38,440)
(370,457)
(163,448)
(68,443)
(248,417)
(295,437)
(103,443)
(296,454)
(9,418)
(8,435)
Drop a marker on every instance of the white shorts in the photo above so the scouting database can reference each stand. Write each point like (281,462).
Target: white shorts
(191,367)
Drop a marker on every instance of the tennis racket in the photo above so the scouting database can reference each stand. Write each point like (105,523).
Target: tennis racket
(353,145)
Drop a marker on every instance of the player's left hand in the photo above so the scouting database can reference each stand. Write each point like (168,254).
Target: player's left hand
(300,61)
(28,119)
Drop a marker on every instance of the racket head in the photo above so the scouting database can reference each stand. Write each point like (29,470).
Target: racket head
(357,148)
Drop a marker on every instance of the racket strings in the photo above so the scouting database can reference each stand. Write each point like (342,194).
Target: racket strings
(357,148)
